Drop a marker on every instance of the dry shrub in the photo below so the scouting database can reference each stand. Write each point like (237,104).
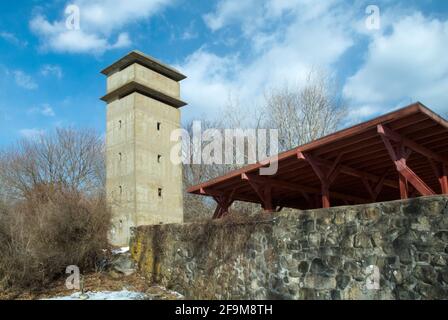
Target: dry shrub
(54,212)
(46,232)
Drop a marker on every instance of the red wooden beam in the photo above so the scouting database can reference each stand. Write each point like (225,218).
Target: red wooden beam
(399,156)
(344,169)
(280,184)
(325,174)
(268,206)
(444,180)
(374,191)
(257,188)
(369,188)
(404,189)
(224,201)
(441,174)
(263,190)
(394,136)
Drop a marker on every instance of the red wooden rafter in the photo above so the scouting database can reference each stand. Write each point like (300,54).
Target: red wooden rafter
(374,190)
(440,171)
(263,190)
(399,153)
(223,200)
(326,174)
(293,186)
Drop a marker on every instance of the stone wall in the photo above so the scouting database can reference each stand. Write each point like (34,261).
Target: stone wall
(316,254)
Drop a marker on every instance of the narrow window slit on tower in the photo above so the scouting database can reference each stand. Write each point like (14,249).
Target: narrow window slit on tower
(159,125)
(160,192)
(121,190)
(119,124)
(159,157)
(119,156)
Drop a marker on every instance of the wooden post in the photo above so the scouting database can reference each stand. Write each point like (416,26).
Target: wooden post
(325,196)
(224,202)
(403,186)
(441,174)
(264,192)
(444,180)
(325,175)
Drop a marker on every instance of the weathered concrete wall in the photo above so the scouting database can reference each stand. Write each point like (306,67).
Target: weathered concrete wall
(145,76)
(316,254)
(138,145)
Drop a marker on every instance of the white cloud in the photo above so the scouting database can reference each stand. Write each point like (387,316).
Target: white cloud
(408,64)
(123,41)
(282,40)
(208,75)
(99,22)
(12,38)
(109,15)
(190,32)
(45,110)
(24,80)
(282,53)
(51,70)
(32,133)
(230,11)
(56,37)
(256,15)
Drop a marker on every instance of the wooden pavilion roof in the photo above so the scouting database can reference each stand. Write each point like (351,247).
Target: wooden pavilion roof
(400,154)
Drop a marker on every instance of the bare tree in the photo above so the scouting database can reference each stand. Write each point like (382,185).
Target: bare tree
(67,158)
(232,116)
(300,114)
(53,209)
(306,113)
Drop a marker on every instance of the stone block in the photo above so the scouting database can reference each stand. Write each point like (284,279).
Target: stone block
(421,225)
(339,218)
(391,208)
(424,257)
(426,274)
(371,213)
(377,239)
(342,281)
(303,266)
(336,295)
(351,214)
(319,282)
(314,239)
(362,240)
(335,262)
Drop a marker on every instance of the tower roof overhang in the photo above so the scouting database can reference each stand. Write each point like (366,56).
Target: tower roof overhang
(146,61)
(134,86)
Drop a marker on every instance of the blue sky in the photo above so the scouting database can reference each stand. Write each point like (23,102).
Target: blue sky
(49,75)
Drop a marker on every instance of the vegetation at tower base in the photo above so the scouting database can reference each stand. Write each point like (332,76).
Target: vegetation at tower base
(315,254)
(53,211)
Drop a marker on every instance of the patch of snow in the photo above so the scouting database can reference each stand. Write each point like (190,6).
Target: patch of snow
(120,250)
(105,295)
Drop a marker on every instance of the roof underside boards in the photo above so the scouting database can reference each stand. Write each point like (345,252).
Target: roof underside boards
(361,156)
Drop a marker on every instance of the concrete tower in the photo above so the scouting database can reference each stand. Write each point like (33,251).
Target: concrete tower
(143,106)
